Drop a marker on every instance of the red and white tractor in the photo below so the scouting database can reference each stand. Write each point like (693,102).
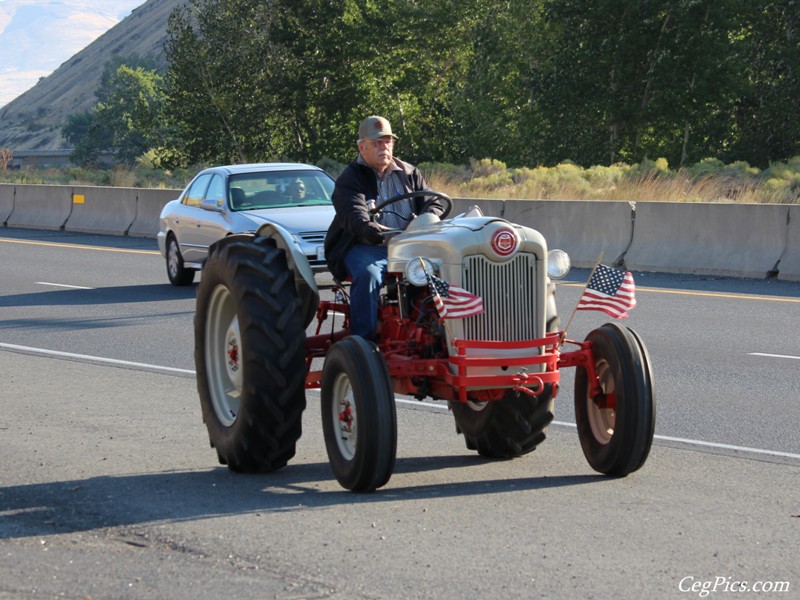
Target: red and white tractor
(499,370)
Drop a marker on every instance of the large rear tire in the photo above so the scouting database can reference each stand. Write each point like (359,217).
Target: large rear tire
(505,428)
(359,417)
(616,428)
(250,354)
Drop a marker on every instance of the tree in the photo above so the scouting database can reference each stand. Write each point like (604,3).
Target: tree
(133,112)
(128,118)
(5,158)
(251,80)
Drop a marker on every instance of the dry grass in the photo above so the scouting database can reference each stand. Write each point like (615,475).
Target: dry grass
(652,182)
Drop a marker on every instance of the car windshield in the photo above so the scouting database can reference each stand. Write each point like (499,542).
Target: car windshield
(280,189)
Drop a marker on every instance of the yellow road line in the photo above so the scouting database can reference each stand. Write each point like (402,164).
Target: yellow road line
(708,294)
(78,246)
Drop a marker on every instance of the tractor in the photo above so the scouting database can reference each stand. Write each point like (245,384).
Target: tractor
(498,368)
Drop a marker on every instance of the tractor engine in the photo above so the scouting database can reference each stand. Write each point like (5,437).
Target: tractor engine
(504,264)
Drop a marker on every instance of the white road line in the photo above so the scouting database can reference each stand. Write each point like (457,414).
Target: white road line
(411,403)
(774,355)
(96,359)
(718,446)
(64,285)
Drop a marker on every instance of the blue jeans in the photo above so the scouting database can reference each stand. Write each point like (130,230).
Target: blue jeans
(366,266)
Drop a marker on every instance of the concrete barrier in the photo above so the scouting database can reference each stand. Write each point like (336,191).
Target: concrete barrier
(41,206)
(789,267)
(6,201)
(148,209)
(102,210)
(583,229)
(740,240)
(720,239)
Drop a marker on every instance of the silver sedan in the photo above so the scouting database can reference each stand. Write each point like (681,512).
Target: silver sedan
(241,198)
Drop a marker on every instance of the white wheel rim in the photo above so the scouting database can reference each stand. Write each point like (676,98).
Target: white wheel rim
(343,413)
(223,356)
(602,420)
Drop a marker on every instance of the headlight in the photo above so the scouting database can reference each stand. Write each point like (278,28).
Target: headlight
(558,264)
(416,269)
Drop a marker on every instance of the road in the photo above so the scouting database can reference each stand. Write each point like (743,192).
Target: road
(108,488)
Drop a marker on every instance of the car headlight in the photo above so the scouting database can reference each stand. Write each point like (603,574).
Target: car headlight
(558,264)
(416,269)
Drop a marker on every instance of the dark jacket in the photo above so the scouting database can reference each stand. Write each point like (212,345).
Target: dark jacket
(357,185)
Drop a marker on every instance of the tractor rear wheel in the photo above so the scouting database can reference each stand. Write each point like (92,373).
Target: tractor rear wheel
(250,354)
(505,428)
(616,422)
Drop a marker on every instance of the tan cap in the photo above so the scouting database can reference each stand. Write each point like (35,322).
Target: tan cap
(373,128)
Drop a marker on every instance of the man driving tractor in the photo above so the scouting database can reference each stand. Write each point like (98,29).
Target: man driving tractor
(355,244)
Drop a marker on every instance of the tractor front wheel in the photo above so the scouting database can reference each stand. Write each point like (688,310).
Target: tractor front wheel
(616,414)
(359,417)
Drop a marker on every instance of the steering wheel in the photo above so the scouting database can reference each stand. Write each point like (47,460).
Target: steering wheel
(374,212)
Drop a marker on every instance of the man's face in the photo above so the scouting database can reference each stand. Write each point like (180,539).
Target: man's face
(298,190)
(377,153)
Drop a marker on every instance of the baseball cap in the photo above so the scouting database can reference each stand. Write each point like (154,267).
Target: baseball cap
(373,128)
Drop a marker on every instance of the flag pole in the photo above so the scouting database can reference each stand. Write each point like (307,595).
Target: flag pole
(575,310)
(435,291)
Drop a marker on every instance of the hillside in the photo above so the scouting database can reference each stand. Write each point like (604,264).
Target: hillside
(33,121)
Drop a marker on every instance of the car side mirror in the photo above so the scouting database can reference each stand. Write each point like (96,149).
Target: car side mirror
(212,205)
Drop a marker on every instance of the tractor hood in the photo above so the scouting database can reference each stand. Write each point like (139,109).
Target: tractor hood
(447,242)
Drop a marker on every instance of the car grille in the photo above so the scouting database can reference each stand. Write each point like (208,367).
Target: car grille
(508,290)
(313,237)
(316,238)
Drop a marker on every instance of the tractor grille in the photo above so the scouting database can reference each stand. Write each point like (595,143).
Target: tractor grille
(508,290)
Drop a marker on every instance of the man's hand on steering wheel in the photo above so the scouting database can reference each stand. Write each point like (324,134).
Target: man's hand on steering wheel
(374,212)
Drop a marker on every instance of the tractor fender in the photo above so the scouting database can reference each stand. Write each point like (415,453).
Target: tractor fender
(304,282)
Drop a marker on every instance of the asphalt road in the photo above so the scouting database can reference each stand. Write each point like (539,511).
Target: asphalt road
(108,488)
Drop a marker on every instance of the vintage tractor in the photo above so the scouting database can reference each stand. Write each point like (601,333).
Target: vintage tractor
(498,370)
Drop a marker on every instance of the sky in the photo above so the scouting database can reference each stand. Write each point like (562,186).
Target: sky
(38,36)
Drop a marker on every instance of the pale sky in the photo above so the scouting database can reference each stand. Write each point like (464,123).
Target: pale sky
(38,36)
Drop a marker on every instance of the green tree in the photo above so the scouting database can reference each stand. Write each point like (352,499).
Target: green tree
(133,111)
(765,124)
(128,117)
(292,78)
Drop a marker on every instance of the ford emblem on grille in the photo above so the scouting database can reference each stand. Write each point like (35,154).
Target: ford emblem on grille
(504,242)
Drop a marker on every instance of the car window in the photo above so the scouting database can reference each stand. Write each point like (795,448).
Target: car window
(197,190)
(279,189)
(216,190)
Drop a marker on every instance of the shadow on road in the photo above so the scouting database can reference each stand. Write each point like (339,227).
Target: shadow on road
(96,296)
(110,501)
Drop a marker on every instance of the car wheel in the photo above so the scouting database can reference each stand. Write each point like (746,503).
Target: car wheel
(177,273)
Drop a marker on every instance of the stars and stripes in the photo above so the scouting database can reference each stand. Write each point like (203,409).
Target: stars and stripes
(609,290)
(453,302)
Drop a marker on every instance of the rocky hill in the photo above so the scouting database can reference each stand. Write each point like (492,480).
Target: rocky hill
(33,121)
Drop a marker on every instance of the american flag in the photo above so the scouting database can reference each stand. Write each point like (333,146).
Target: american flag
(453,302)
(609,290)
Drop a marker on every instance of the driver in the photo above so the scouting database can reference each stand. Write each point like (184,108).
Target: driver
(354,246)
